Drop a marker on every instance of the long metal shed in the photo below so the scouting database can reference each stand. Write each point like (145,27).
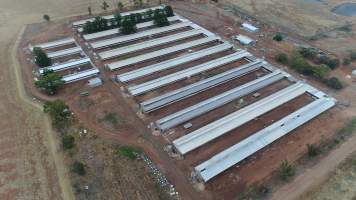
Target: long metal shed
(80,75)
(162,52)
(82,22)
(238,152)
(148,44)
(114,31)
(171,78)
(195,88)
(56,43)
(222,126)
(66,65)
(132,37)
(168,64)
(65,52)
(218,100)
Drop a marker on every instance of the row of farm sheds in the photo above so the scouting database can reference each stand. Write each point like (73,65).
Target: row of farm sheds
(215,103)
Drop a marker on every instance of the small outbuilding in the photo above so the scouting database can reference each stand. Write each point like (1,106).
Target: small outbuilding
(244,40)
(95,82)
(249,28)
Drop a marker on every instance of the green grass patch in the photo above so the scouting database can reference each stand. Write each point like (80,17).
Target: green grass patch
(129,152)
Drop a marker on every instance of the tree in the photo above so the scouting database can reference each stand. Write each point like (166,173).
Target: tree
(282,58)
(118,19)
(78,168)
(169,11)
(120,6)
(334,83)
(159,18)
(46,17)
(41,57)
(59,113)
(49,83)
(332,63)
(307,52)
(67,142)
(105,5)
(127,26)
(148,15)
(278,37)
(319,71)
(286,171)
(89,10)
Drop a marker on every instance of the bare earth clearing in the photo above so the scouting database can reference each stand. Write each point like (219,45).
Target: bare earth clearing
(28,162)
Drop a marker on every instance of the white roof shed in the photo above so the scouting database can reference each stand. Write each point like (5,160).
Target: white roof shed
(244,40)
(250,28)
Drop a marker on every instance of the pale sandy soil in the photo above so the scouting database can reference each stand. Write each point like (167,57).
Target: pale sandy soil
(30,168)
(340,185)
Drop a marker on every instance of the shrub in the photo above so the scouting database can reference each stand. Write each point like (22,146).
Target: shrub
(286,171)
(346,61)
(59,113)
(89,10)
(78,168)
(334,83)
(282,58)
(307,52)
(169,11)
(46,17)
(41,57)
(67,142)
(313,150)
(111,118)
(49,82)
(120,6)
(278,37)
(105,5)
(129,152)
(331,63)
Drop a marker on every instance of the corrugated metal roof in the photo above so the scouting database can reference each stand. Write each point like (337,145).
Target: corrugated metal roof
(220,127)
(218,100)
(65,52)
(171,78)
(172,62)
(148,44)
(162,52)
(193,89)
(238,152)
(56,43)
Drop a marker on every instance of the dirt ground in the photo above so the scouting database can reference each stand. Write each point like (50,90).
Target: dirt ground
(340,185)
(135,132)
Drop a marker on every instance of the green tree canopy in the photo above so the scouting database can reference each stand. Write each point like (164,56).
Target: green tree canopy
(59,113)
(278,37)
(49,82)
(127,26)
(160,18)
(169,11)
(41,57)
